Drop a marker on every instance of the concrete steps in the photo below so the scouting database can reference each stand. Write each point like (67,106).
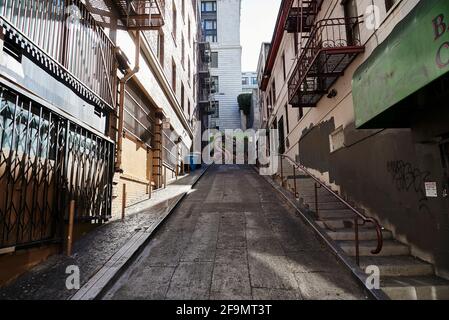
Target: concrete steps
(397,266)
(390,248)
(336,214)
(402,275)
(347,234)
(415,288)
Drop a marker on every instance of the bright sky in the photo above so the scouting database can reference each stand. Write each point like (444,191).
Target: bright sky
(257,26)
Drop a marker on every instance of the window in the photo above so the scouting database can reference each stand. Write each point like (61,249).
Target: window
(254,80)
(173,75)
(188,69)
(296,42)
(245,81)
(182,96)
(389,4)
(337,139)
(216,109)
(188,108)
(139,115)
(214,60)
(281,135)
(209,6)
(283,66)
(189,33)
(210,30)
(183,9)
(353,32)
(286,119)
(215,83)
(160,48)
(174,17)
(183,51)
(273,88)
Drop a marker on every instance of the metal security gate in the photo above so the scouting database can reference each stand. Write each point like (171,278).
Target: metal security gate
(46,160)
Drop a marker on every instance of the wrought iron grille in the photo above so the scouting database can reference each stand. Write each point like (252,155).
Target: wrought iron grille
(46,160)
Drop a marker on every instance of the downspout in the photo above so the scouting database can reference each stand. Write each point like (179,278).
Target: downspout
(128,75)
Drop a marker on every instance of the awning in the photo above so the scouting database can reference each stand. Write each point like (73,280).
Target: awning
(414,54)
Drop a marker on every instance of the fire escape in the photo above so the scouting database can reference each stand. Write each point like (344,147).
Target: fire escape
(137,16)
(141,14)
(327,47)
(206,84)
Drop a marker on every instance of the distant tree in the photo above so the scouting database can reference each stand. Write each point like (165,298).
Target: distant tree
(244,101)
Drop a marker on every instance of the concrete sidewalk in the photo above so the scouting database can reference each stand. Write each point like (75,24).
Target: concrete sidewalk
(97,249)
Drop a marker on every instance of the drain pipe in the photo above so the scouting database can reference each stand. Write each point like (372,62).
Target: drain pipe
(128,75)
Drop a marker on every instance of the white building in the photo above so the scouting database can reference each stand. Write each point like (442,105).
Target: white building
(249,82)
(221,27)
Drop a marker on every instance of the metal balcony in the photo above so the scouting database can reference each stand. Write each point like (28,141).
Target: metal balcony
(204,51)
(301,18)
(333,44)
(64,39)
(141,14)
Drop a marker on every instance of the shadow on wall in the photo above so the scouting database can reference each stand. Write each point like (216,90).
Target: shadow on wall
(385,171)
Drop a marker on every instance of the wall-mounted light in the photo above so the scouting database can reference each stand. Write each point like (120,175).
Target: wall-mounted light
(332,94)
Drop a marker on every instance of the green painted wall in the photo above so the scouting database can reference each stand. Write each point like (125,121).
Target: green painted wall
(414,54)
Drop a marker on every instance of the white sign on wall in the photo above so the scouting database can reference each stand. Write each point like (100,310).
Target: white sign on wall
(431,189)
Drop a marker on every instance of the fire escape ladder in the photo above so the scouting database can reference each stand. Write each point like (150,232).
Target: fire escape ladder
(142,14)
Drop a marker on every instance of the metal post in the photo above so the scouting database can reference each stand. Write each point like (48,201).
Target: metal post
(70,231)
(124,201)
(282,170)
(356,230)
(294,179)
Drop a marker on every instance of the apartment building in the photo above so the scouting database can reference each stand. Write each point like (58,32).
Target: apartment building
(221,28)
(249,81)
(262,104)
(160,104)
(356,90)
(97,103)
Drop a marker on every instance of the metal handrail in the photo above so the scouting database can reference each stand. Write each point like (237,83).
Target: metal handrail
(67,34)
(358,214)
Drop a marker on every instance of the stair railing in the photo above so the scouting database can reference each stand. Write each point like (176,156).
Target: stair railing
(358,216)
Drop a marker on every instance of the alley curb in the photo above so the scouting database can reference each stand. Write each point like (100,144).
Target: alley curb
(96,286)
(355,270)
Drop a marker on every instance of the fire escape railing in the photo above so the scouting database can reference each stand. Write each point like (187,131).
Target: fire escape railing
(301,17)
(331,46)
(65,39)
(359,218)
(142,14)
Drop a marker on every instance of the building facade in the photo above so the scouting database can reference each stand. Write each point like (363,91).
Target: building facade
(262,103)
(249,81)
(160,105)
(98,106)
(221,28)
(358,103)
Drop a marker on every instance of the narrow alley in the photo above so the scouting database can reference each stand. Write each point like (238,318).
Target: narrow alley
(233,237)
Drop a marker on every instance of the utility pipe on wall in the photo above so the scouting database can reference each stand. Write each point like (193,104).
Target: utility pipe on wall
(128,75)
